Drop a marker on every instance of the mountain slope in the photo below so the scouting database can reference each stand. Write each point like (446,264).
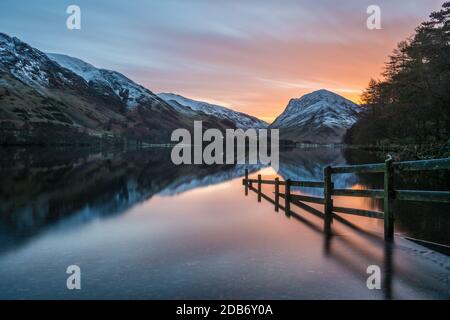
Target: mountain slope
(39,98)
(319,117)
(109,83)
(44,102)
(33,67)
(187,106)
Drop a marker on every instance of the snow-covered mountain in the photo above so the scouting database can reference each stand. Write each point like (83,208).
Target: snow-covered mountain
(115,85)
(33,67)
(108,83)
(187,106)
(63,100)
(56,93)
(319,117)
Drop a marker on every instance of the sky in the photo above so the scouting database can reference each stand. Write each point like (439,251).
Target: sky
(250,55)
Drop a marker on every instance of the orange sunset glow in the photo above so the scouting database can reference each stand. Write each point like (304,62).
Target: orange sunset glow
(257,71)
(235,53)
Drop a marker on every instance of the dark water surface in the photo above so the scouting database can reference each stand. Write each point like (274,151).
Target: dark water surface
(142,228)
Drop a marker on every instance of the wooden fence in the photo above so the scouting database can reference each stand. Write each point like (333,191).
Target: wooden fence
(389,193)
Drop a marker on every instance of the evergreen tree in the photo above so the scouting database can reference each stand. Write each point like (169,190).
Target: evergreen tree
(412,103)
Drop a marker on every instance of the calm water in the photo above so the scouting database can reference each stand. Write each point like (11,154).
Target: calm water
(141,228)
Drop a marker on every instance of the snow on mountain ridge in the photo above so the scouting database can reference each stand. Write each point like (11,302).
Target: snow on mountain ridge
(85,70)
(321,117)
(64,106)
(30,65)
(321,107)
(186,105)
(108,82)
(314,117)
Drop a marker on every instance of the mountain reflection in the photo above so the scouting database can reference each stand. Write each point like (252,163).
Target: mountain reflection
(46,188)
(42,188)
(126,217)
(308,165)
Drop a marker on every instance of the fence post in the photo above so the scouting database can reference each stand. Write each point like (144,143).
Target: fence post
(388,197)
(328,191)
(246,182)
(259,188)
(287,197)
(277,194)
(328,207)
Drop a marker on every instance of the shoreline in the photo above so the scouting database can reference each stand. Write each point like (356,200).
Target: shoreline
(413,151)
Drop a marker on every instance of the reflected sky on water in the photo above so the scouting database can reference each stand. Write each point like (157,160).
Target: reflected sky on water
(140,227)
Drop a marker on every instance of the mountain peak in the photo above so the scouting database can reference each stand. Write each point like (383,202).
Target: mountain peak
(4,37)
(320,116)
(323,92)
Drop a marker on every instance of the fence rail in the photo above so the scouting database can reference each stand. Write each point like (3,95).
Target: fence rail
(359,212)
(309,184)
(374,193)
(423,165)
(363,168)
(424,196)
(388,193)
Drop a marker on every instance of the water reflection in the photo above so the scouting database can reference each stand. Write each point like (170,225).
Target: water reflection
(308,164)
(64,188)
(163,231)
(424,221)
(366,245)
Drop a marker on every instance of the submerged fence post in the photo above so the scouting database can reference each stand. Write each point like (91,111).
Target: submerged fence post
(287,197)
(328,191)
(388,197)
(246,182)
(277,194)
(259,188)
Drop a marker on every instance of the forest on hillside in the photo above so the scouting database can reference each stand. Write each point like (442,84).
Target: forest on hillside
(411,104)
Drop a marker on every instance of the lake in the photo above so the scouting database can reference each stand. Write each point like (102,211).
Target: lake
(140,227)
